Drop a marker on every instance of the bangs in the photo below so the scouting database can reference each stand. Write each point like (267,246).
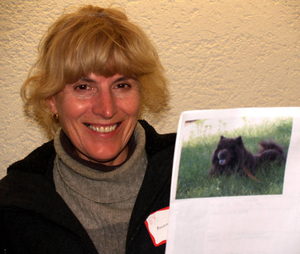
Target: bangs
(103,49)
(104,58)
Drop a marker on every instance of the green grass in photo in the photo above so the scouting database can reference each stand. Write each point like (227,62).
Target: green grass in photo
(193,179)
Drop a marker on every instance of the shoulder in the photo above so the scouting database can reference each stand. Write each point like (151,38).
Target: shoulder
(37,161)
(29,178)
(28,174)
(160,151)
(155,142)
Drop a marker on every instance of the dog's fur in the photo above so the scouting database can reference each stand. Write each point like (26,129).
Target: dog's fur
(231,156)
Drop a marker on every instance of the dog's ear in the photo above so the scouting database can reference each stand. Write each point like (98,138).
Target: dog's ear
(239,140)
(222,137)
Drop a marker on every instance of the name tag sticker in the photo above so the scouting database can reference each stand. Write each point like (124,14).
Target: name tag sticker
(157,225)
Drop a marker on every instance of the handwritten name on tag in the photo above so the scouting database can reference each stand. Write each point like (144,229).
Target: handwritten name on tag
(157,225)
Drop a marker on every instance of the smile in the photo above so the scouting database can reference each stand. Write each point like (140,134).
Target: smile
(102,129)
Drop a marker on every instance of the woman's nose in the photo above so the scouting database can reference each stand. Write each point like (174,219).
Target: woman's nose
(104,104)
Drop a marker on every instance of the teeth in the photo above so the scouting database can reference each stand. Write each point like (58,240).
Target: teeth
(103,129)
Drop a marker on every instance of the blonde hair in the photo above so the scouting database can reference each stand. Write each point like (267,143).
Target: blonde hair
(98,40)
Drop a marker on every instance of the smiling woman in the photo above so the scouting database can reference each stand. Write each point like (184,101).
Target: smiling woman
(99,115)
(91,188)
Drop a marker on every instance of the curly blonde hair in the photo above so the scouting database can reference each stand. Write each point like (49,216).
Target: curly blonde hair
(98,40)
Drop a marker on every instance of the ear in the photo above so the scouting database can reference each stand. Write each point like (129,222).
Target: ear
(51,105)
(239,140)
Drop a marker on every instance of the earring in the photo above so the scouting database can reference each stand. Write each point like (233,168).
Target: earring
(54,116)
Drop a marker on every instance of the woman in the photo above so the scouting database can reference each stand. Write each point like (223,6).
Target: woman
(93,187)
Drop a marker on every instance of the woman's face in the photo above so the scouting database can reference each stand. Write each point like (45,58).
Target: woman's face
(99,115)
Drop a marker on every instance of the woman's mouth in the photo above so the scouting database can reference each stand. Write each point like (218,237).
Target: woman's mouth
(102,129)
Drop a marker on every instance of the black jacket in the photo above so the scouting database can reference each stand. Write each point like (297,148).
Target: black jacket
(35,219)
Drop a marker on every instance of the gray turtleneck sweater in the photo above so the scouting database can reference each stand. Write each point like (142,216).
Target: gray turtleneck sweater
(102,201)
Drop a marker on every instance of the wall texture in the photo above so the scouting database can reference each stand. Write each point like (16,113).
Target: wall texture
(217,54)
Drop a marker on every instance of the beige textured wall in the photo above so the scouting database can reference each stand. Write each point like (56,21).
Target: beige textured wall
(217,53)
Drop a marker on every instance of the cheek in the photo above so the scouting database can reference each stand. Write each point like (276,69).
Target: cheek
(133,106)
(70,108)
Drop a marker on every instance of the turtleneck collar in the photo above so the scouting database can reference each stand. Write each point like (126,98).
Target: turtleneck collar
(70,150)
(117,185)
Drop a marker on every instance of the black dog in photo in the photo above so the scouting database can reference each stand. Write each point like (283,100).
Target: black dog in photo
(231,156)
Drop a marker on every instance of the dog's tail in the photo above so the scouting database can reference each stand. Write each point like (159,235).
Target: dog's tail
(271,151)
(270,145)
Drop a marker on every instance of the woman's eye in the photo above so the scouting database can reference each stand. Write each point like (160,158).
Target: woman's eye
(82,87)
(84,91)
(123,85)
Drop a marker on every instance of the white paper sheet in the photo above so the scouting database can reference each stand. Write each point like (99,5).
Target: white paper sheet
(236,224)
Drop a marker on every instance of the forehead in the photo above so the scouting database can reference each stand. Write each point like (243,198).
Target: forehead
(94,78)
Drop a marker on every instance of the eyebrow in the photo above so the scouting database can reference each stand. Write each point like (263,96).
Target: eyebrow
(122,78)
(87,79)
